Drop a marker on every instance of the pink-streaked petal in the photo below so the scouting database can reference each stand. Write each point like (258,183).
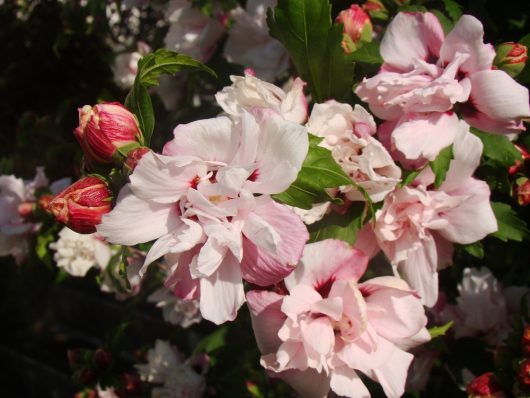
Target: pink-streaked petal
(154,178)
(318,335)
(424,135)
(327,260)
(467,37)
(411,36)
(184,237)
(294,106)
(366,241)
(395,314)
(209,139)
(369,351)
(300,300)
(282,148)
(467,151)
(346,383)
(257,230)
(473,219)
(222,293)
(179,279)
(308,383)
(499,103)
(392,375)
(267,318)
(265,268)
(331,307)
(420,270)
(209,259)
(134,220)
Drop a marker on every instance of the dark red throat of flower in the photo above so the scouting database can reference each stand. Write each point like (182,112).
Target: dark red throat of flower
(323,288)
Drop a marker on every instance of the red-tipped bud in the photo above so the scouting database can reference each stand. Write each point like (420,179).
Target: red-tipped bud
(134,156)
(525,341)
(485,386)
(518,164)
(81,205)
(357,27)
(375,9)
(521,191)
(132,385)
(511,57)
(102,358)
(44,201)
(25,209)
(103,129)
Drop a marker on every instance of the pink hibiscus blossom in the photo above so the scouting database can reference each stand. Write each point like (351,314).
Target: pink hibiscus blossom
(329,327)
(348,134)
(417,224)
(197,201)
(425,72)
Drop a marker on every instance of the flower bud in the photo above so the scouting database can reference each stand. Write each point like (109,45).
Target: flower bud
(102,358)
(485,386)
(357,27)
(524,375)
(81,205)
(103,129)
(134,156)
(522,191)
(518,164)
(511,57)
(375,9)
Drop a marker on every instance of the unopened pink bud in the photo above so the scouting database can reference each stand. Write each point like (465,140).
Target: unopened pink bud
(511,57)
(81,205)
(485,386)
(357,27)
(375,9)
(103,129)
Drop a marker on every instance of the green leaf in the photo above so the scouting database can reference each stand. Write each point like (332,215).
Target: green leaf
(138,102)
(453,9)
(339,226)
(42,247)
(475,249)
(305,28)
(319,171)
(169,62)
(440,165)
(408,177)
(446,23)
(213,341)
(150,68)
(438,331)
(524,76)
(498,148)
(511,227)
(368,53)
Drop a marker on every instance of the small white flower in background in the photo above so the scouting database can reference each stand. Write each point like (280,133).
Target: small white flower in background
(126,65)
(167,367)
(175,310)
(77,253)
(250,44)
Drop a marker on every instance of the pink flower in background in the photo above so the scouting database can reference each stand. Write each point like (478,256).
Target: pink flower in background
(417,224)
(329,327)
(190,31)
(250,44)
(426,72)
(348,134)
(197,201)
(126,65)
(248,92)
